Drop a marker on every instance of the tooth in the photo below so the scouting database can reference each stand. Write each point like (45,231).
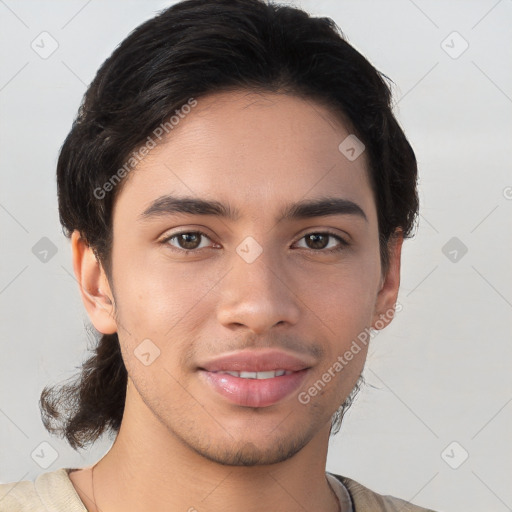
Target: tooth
(248,375)
(279,373)
(266,375)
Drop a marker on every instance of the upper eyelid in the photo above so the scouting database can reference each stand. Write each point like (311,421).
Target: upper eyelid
(166,237)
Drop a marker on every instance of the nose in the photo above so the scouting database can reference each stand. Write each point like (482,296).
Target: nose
(257,295)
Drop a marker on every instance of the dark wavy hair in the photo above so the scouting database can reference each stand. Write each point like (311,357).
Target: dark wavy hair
(189,50)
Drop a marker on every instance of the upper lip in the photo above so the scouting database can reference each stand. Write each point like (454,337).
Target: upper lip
(256,361)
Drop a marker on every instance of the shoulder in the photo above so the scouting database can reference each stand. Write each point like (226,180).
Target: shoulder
(52,490)
(19,497)
(365,499)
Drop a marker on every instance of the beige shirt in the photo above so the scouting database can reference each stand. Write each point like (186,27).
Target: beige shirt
(53,491)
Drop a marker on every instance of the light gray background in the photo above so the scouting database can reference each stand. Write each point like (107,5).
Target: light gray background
(440,373)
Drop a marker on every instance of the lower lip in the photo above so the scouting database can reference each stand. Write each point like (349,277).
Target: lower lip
(254,392)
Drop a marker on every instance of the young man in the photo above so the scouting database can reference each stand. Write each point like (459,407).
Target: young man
(237,191)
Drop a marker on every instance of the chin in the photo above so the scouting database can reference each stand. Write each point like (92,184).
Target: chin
(247,453)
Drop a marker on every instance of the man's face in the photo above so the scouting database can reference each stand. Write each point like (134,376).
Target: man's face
(252,282)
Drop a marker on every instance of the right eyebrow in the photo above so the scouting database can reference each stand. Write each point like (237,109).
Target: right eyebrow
(169,204)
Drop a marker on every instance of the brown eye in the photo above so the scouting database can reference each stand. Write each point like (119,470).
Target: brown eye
(324,242)
(317,240)
(187,240)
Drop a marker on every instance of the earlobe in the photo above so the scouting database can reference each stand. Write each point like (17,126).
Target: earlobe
(94,286)
(388,292)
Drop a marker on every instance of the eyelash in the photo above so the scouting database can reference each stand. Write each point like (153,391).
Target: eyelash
(342,243)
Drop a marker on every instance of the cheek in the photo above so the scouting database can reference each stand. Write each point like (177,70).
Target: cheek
(342,313)
(163,303)
(344,299)
(151,289)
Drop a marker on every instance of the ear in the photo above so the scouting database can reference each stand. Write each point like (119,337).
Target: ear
(390,283)
(94,287)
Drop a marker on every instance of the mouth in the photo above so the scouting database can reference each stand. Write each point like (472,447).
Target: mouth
(255,378)
(254,389)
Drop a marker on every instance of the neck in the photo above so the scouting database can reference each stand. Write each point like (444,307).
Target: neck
(149,468)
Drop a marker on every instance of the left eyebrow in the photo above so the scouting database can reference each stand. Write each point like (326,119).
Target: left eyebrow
(322,207)
(326,206)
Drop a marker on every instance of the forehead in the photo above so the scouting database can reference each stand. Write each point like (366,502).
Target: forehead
(252,150)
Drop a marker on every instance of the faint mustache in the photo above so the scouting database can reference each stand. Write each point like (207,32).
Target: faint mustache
(287,343)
